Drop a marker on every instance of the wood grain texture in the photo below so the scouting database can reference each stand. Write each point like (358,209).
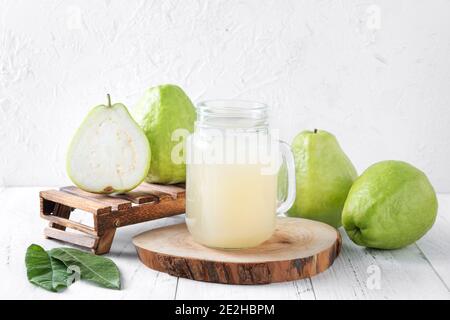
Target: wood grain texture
(405,273)
(79,239)
(367,274)
(61,213)
(109,211)
(147,192)
(298,249)
(163,191)
(116,203)
(104,242)
(197,290)
(141,213)
(435,245)
(139,197)
(66,223)
(74,201)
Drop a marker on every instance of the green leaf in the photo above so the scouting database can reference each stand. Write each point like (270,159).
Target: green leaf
(45,272)
(100,270)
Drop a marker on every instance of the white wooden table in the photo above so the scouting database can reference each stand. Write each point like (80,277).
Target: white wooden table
(420,271)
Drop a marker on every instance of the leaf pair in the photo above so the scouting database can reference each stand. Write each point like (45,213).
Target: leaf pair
(56,269)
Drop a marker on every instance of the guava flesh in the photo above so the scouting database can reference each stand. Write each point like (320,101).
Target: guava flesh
(109,152)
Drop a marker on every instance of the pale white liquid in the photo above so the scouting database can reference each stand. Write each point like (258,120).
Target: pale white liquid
(230,205)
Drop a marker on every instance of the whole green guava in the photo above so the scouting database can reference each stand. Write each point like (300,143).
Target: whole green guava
(391,205)
(167,115)
(324,175)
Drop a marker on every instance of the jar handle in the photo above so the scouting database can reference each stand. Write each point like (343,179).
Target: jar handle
(288,162)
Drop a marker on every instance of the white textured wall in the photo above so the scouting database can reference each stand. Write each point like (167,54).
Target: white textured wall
(375,73)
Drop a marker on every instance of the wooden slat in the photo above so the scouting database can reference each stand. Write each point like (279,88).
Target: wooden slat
(139,197)
(62,211)
(74,201)
(174,191)
(66,223)
(148,189)
(87,241)
(142,213)
(116,203)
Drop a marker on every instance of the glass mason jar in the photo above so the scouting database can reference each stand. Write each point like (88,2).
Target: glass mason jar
(232,186)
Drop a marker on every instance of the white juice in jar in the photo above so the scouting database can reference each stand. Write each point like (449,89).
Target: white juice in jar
(232,164)
(230,205)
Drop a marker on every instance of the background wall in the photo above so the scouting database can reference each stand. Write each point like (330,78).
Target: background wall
(375,73)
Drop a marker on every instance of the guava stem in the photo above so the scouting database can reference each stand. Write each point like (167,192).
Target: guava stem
(315,130)
(109,100)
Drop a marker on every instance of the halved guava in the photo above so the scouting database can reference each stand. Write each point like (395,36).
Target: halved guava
(109,152)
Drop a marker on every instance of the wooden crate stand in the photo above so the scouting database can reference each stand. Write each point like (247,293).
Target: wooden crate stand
(145,203)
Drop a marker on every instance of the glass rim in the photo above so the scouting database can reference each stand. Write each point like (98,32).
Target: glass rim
(232,104)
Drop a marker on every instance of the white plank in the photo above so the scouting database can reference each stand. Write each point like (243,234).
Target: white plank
(189,290)
(404,274)
(139,281)
(435,245)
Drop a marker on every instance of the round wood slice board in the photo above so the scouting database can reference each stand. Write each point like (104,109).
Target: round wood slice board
(298,249)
